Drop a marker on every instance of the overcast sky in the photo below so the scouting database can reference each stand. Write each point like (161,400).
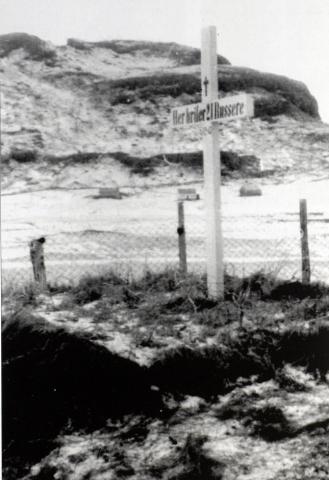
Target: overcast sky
(289,37)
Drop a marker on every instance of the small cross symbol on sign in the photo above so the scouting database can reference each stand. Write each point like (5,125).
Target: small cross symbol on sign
(206,83)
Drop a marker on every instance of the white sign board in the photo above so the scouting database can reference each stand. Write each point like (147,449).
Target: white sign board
(223,109)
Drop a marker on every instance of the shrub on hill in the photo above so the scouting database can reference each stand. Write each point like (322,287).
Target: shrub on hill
(279,95)
(182,54)
(79,157)
(36,48)
(138,165)
(23,156)
(271,105)
(230,162)
(148,87)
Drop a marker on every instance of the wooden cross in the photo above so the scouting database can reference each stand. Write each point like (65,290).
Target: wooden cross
(212,110)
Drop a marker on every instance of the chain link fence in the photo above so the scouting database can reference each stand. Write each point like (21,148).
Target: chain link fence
(141,235)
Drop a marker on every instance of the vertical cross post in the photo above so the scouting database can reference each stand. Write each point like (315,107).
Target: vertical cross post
(211,166)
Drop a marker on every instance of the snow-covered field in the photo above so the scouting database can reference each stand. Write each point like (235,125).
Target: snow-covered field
(85,235)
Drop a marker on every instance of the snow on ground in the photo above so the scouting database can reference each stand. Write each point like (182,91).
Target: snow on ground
(88,235)
(243,457)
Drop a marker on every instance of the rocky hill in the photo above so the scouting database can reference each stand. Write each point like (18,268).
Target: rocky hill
(108,103)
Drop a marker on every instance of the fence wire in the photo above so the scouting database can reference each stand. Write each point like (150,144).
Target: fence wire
(253,242)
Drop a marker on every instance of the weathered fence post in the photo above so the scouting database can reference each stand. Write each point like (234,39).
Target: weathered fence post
(181,239)
(38,263)
(306,268)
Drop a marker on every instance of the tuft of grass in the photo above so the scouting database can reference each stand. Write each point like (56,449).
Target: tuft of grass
(306,309)
(19,296)
(224,313)
(92,288)
(194,464)
(169,280)
(288,382)
(266,420)
(237,405)
(269,422)
(259,285)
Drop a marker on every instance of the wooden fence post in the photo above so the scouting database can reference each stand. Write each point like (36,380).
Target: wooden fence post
(306,268)
(38,263)
(181,239)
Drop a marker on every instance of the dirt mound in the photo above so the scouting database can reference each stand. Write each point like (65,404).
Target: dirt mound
(210,371)
(52,379)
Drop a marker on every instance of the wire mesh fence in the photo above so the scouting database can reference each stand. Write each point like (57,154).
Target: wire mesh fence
(148,241)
